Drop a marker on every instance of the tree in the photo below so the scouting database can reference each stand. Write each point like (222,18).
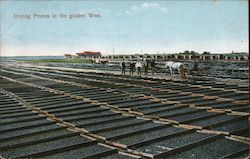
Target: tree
(206,53)
(192,52)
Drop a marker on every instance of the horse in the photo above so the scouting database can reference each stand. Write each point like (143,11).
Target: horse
(99,61)
(95,61)
(104,61)
(174,66)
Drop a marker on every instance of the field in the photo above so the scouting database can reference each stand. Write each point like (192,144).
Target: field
(94,112)
(57,61)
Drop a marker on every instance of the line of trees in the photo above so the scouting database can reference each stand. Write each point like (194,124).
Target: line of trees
(193,52)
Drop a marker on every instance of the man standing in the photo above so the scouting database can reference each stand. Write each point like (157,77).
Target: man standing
(123,66)
(184,71)
(195,67)
(153,66)
(146,67)
(138,65)
(131,68)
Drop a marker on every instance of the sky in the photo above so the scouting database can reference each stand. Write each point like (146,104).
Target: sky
(123,27)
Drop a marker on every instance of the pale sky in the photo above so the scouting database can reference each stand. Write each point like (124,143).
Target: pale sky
(127,26)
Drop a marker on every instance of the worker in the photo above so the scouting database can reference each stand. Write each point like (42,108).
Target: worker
(123,67)
(131,68)
(138,65)
(152,66)
(146,67)
(195,68)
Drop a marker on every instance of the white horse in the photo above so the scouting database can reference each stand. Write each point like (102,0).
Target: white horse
(174,66)
(99,61)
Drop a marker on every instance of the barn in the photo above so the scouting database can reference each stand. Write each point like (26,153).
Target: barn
(87,54)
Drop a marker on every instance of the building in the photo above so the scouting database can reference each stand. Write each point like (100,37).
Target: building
(203,57)
(88,54)
(69,56)
(85,54)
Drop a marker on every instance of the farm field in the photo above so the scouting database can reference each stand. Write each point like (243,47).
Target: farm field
(60,112)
